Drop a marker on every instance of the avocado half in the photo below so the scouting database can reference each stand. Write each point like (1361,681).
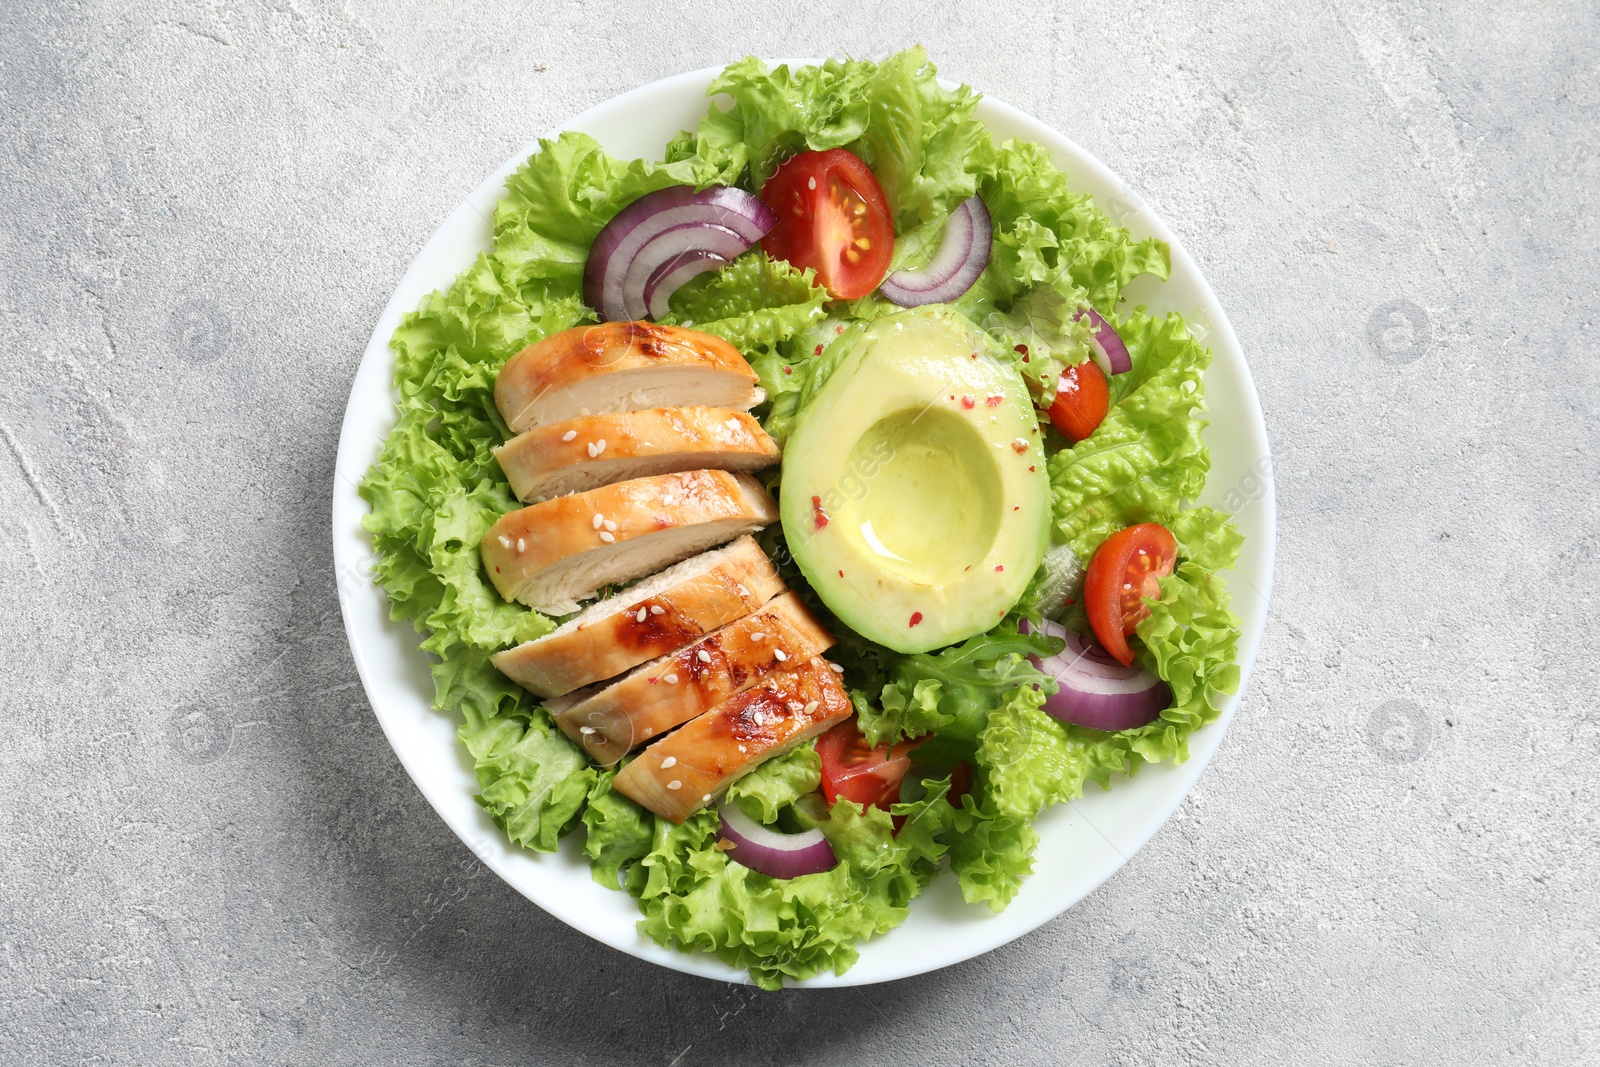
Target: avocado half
(914,494)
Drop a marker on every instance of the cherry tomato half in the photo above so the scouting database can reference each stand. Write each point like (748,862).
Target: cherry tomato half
(854,770)
(1081,401)
(1126,568)
(833,218)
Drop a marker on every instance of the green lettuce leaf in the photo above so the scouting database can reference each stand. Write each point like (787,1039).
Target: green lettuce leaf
(696,899)
(777,783)
(1147,456)
(619,833)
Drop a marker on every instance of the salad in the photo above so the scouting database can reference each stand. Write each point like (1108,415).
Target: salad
(796,518)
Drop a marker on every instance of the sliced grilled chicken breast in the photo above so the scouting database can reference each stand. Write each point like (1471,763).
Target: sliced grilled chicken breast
(621,366)
(592,450)
(659,615)
(690,767)
(611,719)
(551,555)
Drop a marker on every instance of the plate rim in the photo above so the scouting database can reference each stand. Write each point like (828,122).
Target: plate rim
(353,574)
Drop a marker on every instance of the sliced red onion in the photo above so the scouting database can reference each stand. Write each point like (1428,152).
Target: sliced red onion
(963,253)
(771,852)
(671,275)
(611,287)
(1107,346)
(1095,690)
(669,245)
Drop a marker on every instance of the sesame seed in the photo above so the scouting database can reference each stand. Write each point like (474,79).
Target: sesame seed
(811,707)
(642,613)
(610,525)
(811,183)
(706,799)
(835,668)
(670,761)
(669,500)
(505,542)
(522,546)
(600,446)
(743,591)
(586,730)
(703,656)
(593,452)
(597,521)
(570,435)
(674,784)
(657,609)
(671,679)
(758,636)
(607,536)
(783,657)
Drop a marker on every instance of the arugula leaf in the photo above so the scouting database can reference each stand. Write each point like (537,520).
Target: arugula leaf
(953,691)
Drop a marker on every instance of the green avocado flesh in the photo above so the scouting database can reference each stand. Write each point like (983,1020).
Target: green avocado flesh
(914,493)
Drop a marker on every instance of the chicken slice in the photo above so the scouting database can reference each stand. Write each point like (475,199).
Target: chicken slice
(552,555)
(690,767)
(611,719)
(659,615)
(621,366)
(592,450)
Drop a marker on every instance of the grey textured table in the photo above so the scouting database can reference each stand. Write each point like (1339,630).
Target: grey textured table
(210,853)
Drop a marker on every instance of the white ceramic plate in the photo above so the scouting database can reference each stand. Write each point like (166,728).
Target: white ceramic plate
(1081,844)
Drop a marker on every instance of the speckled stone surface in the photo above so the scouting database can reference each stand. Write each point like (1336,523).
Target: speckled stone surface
(212,856)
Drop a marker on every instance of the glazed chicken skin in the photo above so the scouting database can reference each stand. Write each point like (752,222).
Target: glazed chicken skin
(553,554)
(608,720)
(653,618)
(621,366)
(588,451)
(690,767)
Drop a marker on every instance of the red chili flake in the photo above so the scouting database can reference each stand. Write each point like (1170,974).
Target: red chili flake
(1019,446)
(653,681)
(999,566)
(1016,507)
(819,518)
(994,401)
(1071,602)
(838,329)
(1021,348)
(788,369)
(974,355)
(841,574)
(916,617)
(818,352)
(968,403)
(497,570)
(1030,468)
(968,567)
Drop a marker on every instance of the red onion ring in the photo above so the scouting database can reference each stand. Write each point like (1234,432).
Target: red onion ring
(612,288)
(1095,690)
(963,253)
(671,275)
(772,852)
(1107,346)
